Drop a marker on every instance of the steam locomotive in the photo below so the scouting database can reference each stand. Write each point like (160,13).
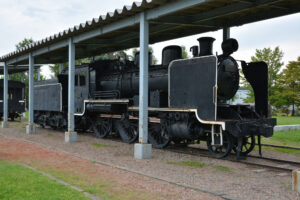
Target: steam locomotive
(188,100)
(16,98)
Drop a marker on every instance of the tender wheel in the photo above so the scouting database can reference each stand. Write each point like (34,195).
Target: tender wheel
(220,151)
(158,136)
(127,130)
(42,121)
(248,144)
(102,127)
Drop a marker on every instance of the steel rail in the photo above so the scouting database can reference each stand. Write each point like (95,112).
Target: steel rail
(282,165)
(280,146)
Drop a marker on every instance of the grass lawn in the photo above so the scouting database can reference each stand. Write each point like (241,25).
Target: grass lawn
(288,138)
(18,182)
(282,120)
(26,116)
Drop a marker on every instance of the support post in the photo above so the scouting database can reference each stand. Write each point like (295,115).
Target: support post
(30,128)
(71,135)
(61,67)
(22,78)
(5,99)
(142,149)
(23,93)
(296,181)
(226,33)
(39,73)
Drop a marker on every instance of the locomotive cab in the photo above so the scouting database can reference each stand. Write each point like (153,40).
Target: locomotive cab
(212,82)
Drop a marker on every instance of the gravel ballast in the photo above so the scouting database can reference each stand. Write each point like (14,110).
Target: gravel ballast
(218,178)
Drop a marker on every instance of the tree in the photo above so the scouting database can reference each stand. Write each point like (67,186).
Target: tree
(24,42)
(288,86)
(150,49)
(184,52)
(18,76)
(55,68)
(273,58)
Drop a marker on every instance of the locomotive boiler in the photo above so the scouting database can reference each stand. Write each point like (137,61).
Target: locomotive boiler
(188,99)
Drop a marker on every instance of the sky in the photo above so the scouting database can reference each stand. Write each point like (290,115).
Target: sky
(38,19)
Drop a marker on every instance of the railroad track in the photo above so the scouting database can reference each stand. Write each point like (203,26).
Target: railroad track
(264,162)
(256,161)
(281,146)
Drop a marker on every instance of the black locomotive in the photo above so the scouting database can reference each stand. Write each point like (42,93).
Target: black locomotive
(187,100)
(16,99)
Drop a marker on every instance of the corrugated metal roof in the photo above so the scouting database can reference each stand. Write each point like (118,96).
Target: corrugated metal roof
(207,15)
(136,7)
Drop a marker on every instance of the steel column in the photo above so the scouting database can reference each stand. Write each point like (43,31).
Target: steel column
(30,129)
(226,33)
(22,77)
(39,73)
(61,67)
(5,99)
(143,150)
(23,81)
(71,136)
(23,94)
(143,95)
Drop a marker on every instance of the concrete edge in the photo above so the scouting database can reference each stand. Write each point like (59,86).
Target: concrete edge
(287,127)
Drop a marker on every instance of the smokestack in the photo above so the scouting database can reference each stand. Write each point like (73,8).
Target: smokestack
(206,46)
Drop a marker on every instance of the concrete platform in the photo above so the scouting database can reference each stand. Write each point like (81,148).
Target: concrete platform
(287,127)
(5,124)
(142,151)
(296,180)
(70,136)
(31,129)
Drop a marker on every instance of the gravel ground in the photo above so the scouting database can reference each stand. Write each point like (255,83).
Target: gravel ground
(221,178)
(123,185)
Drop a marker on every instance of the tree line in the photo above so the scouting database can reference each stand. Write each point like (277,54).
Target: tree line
(283,81)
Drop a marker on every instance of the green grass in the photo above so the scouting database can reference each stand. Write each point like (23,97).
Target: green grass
(103,186)
(282,120)
(286,138)
(100,145)
(289,138)
(26,116)
(18,182)
(282,150)
(223,169)
(188,163)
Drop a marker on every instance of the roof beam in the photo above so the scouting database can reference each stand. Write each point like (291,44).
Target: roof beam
(51,47)
(131,21)
(216,13)
(175,23)
(18,59)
